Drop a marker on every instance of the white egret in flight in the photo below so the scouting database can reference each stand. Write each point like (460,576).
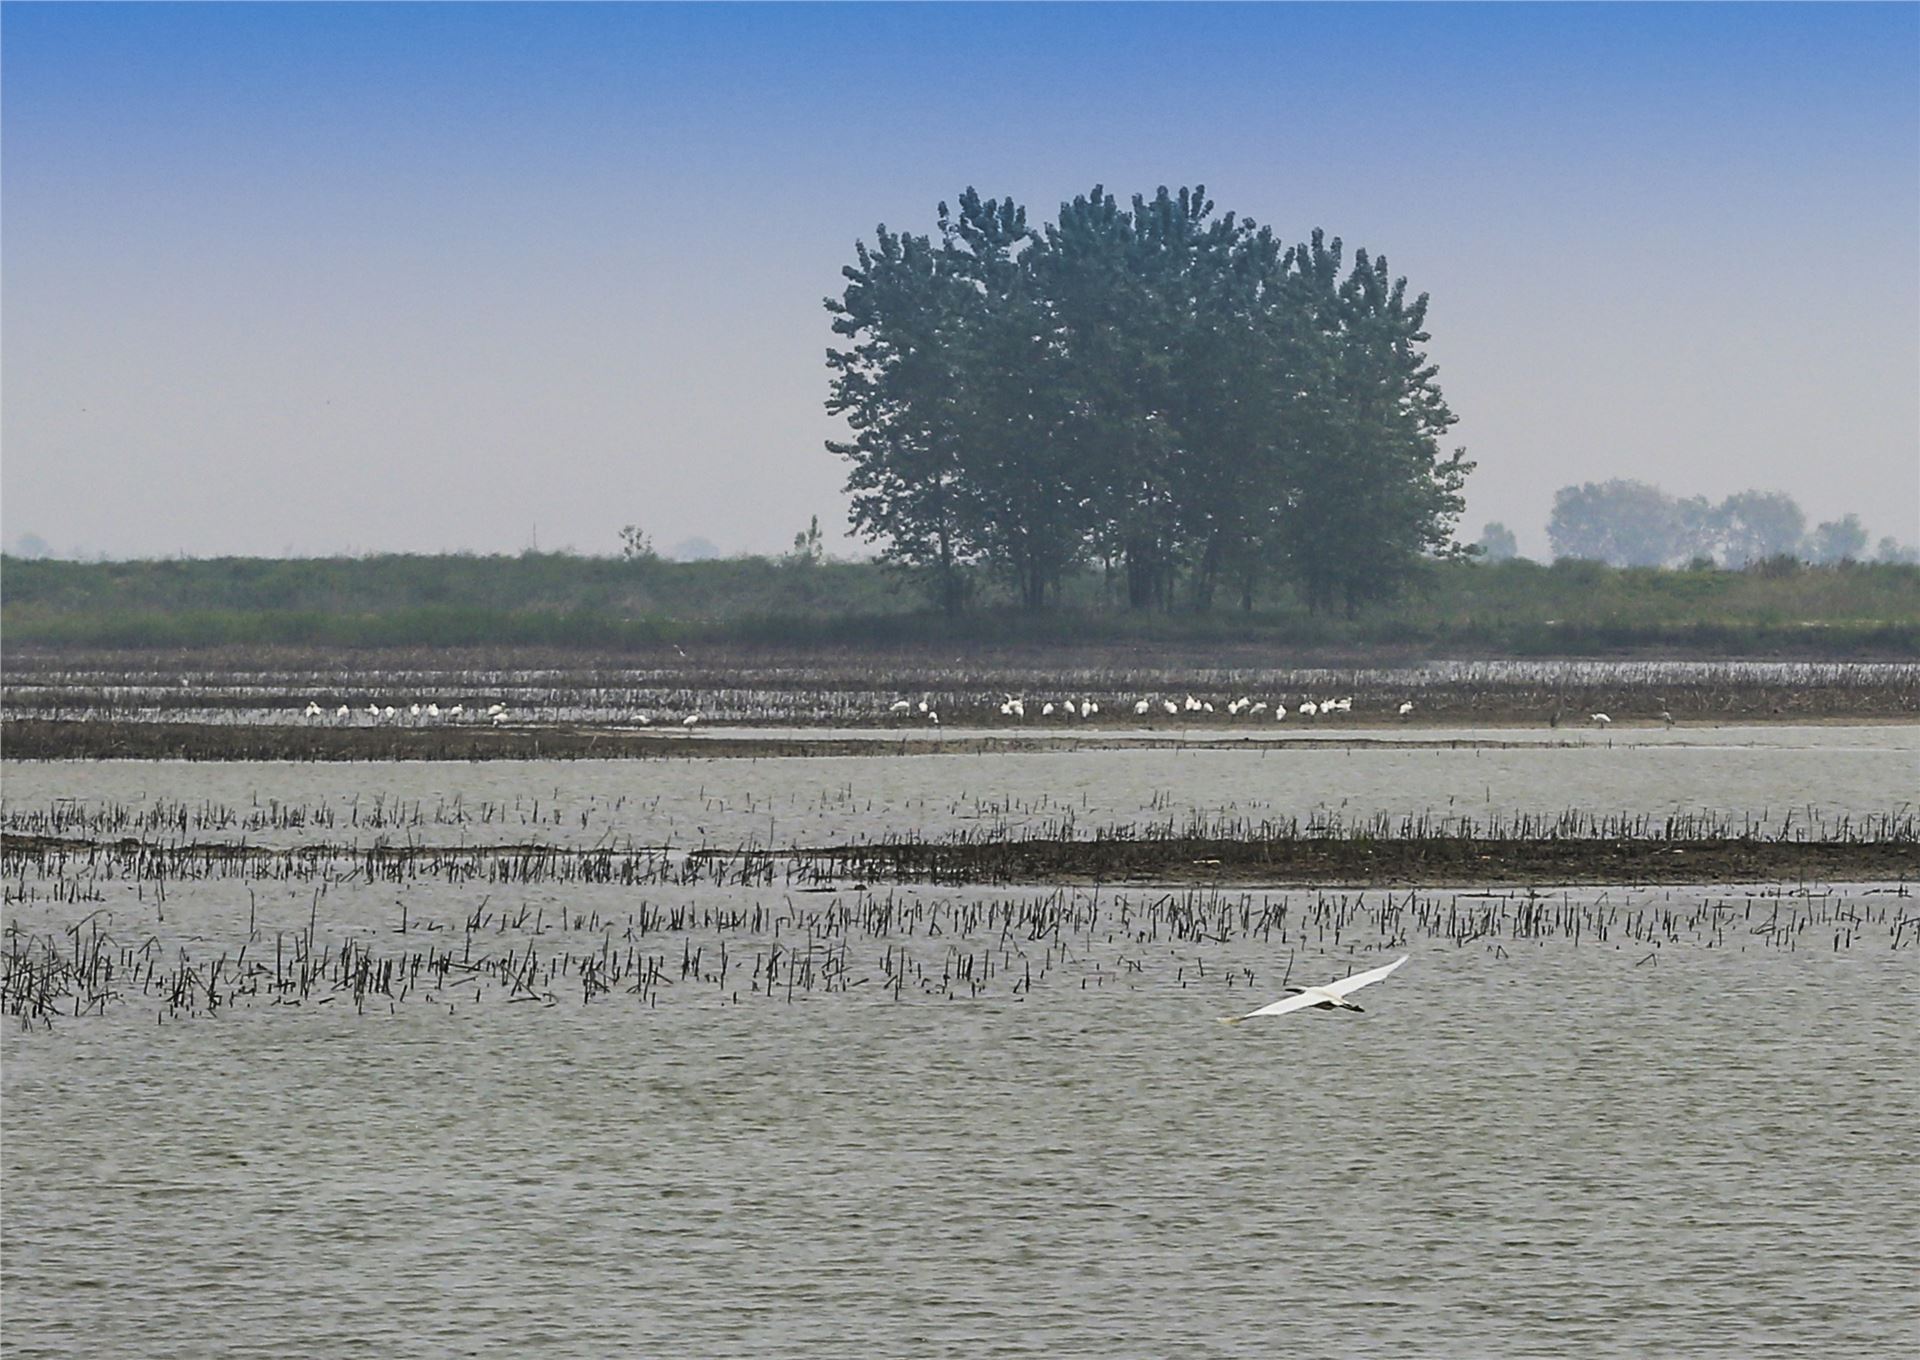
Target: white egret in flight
(1333,996)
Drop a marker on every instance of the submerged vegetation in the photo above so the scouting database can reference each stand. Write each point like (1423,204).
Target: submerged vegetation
(643,927)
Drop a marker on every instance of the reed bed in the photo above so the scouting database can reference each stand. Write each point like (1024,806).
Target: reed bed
(891,946)
(66,852)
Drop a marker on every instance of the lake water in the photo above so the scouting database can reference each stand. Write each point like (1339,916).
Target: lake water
(1690,1135)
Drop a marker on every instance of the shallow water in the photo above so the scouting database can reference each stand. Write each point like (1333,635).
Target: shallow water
(1560,1151)
(1679,1139)
(1759,775)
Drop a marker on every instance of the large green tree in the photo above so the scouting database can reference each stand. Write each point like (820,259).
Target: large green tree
(1157,387)
(1373,494)
(899,386)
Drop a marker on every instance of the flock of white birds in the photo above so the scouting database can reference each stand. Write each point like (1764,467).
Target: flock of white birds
(414,714)
(1013,706)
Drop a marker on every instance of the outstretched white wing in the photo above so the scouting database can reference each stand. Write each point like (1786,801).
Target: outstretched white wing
(1287,1003)
(1359,980)
(1317,996)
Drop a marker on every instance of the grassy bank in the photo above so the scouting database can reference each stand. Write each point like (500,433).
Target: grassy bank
(609,605)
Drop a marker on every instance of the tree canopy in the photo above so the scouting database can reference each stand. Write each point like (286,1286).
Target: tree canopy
(1171,393)
(1636,524)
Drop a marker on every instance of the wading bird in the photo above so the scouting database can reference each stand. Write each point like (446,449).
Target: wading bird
(1309,709)
(1406,708)
(691,720)
(1333,996)
(1598,719)
(900,706)
(1140,709)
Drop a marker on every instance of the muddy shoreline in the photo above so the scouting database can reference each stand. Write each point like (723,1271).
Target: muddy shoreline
(1414,862)
(55,739)
(1425,862)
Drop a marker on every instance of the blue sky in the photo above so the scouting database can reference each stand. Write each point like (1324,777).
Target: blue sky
(357,277)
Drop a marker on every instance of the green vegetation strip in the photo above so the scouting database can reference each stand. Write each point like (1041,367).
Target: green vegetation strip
(1515,608)
(1439,858)
(1413,861)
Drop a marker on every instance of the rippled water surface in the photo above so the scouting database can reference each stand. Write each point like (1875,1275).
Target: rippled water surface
(1759,774)
(1555,1153)
(1676,1139)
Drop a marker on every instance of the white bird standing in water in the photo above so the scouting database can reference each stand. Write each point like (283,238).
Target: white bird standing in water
(1598,719)
(1406,708)
(1333,996)
(1140,708)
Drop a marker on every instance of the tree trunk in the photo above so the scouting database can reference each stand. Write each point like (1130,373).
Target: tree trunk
(1207,576)
(1142,577)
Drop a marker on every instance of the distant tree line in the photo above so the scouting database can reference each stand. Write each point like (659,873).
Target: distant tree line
(1634,524)
(1179,398)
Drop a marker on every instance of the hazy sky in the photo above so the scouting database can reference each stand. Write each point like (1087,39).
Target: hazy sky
(308,279)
